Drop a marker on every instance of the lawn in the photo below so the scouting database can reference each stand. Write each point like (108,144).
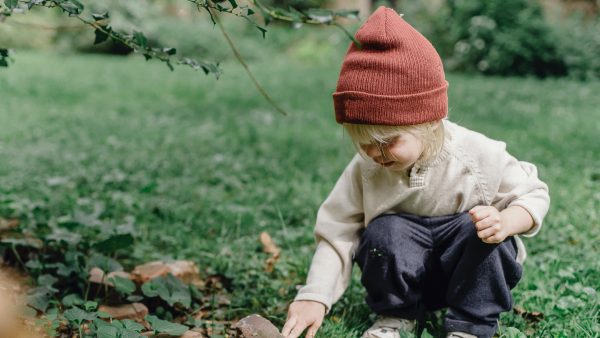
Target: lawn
(202,166)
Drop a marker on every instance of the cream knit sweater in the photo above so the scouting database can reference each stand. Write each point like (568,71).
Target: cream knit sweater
(470,170)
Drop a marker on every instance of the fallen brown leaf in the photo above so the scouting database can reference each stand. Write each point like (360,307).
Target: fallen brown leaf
(9,224)
(217,282)
(269,247)
(186,271)
(134,311)
(99,277)
(533,316)
(268,244)
(145,272)
(192,334)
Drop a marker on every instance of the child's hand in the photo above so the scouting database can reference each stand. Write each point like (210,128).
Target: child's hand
(303,314)
(488,223)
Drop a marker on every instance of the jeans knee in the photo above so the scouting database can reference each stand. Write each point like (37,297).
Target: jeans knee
(385,232)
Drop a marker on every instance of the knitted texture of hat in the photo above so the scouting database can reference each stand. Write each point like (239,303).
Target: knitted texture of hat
(396,78)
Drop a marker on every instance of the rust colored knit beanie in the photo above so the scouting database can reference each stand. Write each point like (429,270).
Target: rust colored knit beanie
(397,78)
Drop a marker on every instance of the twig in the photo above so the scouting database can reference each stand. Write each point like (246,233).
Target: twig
(241,60)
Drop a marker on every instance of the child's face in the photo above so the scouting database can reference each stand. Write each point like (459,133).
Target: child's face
(398,154)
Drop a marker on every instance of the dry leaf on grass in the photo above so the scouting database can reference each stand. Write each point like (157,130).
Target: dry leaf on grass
(269,247)
(134,311)
(192,334)
(532,316)
(186,271)
(145,272)
(99,277)
(8,224)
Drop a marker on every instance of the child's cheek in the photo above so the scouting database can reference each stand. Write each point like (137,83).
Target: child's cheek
(405,155)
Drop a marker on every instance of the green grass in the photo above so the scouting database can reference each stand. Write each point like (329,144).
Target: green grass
(204,166)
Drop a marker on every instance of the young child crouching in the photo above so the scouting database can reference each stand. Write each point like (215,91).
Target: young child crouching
(428,210)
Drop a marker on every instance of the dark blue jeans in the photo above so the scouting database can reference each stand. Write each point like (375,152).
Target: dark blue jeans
(413,264)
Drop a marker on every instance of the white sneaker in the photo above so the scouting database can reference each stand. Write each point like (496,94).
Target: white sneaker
(389,327)
(460,335)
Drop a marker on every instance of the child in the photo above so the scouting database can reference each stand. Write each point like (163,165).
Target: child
(428,209)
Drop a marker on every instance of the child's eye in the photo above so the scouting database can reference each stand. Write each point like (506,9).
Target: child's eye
(383,144)
(390,140)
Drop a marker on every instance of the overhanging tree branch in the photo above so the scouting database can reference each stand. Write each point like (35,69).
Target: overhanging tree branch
(138,42)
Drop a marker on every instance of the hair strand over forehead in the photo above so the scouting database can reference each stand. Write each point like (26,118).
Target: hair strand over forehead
(431,136)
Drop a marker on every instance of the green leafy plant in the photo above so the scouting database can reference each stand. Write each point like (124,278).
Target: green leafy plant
(60,252)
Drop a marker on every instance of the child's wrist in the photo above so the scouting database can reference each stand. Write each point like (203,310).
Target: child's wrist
(517,220)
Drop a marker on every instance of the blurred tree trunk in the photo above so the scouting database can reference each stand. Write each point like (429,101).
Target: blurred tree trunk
(364,6)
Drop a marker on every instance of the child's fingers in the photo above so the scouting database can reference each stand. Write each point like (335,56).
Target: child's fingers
(493,239)
(297,330)
(490,231)
(312,330)
(478,213)
(485,223)
(289,325)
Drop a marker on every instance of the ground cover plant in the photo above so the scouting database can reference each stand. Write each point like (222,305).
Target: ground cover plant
(176,166)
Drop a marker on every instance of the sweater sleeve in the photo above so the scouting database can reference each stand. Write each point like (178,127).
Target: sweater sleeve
(339,221)
(516,183)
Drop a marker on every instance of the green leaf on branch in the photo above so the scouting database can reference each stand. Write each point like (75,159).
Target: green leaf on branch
(11,3)
(262,30)
(32,3)
(170,51)
(163,326)
(321,16)
(348,13)
(140,39)
(73,7)
(233,3)
(100,16)
(296,14)
(100,36)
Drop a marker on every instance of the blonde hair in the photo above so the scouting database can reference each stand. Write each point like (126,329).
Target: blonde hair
(431,135)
